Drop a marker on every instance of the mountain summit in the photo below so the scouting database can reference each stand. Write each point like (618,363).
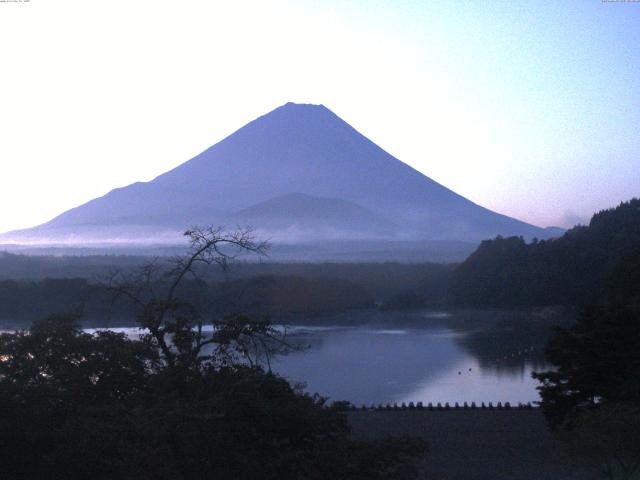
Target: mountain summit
(298,158)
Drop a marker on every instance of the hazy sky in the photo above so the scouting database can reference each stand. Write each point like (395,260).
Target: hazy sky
(530,108)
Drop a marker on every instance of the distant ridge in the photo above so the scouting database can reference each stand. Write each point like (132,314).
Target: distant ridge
(298,158)
(329,218)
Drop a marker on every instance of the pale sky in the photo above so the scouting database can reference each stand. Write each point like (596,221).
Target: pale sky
(530,108)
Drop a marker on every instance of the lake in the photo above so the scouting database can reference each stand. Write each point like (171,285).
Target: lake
(368,365)
(422,356)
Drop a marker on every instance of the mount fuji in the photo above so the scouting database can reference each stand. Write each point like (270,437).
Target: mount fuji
(297,174)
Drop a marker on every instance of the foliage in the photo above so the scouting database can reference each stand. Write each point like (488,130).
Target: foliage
(50,375)
(255,288)
(270,295)
(77,406)
(597,362)
(32,300)
(183,401)
(571,270)
(608,437)
(277,295)
(33,287)
(592,395)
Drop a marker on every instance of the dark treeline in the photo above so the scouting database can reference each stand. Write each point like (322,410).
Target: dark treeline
(384,281)
(38,267)
(26,301)
(574,269)
(268,289)
(597,356)
(591,396)
(273,296)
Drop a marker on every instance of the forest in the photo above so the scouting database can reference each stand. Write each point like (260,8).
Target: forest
(574,269)
(32,287)
(177,402)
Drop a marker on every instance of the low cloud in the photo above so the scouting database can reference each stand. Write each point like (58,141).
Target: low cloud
(571,219)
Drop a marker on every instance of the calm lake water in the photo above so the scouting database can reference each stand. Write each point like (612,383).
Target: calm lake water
(379,365)
(423,356)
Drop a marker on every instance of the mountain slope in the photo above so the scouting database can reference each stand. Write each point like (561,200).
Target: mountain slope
(287,216)
(295,148)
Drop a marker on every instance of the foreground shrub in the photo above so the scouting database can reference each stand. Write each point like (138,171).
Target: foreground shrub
(80,406)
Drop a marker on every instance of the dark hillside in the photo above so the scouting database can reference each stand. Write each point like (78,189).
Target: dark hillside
(570,270)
